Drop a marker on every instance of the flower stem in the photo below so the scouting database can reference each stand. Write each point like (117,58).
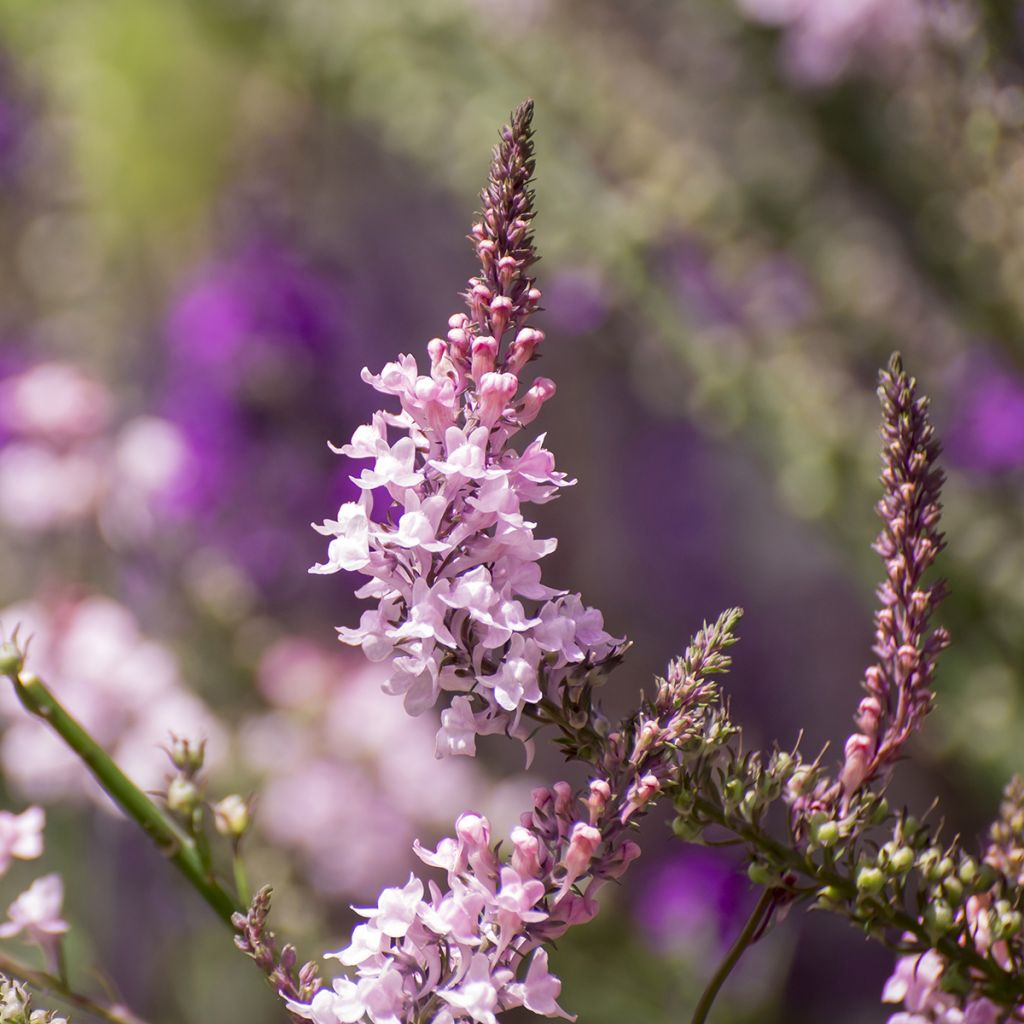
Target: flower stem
(58,988)
(750,932)
(241,876)
(179,848)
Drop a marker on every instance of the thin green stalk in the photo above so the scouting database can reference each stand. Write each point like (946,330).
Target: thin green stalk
(46,982)
(179,848)
(241,876)
(750,932)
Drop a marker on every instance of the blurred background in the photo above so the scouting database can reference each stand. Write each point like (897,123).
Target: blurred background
(214,213)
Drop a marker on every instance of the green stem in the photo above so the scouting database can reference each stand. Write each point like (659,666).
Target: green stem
(171,840)
(746,937)
(241,877)
(46,982)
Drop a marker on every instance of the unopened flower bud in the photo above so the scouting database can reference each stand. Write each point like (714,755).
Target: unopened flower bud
(902,860)
(830,896)
(485,352)
(826,833)
(857,755)
(183,796)
(186,756)
(953,888)
(600,794)
(687,829)
(542,390)
(522,348)
(231,816)
(870,880)
(12,661)
(760,874)
(968,871)
(583,841)
(928,862)
(496,391)
(501,310)
(938,917)
(525,853)
(507,267)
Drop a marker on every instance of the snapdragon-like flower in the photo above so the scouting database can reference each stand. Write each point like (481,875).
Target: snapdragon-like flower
(452,564)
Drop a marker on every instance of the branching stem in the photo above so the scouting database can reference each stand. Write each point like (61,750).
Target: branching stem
(178,847)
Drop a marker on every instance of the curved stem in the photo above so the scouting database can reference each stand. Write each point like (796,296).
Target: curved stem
(53,985)
(179,847)
(751,931)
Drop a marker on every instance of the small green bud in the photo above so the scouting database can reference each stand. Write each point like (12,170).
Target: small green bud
(759,874)
(185,756)
(928,861)
(830,896)
(986,877)
(826,833)
(733,791)
(968,871)
(902,860)
(687,829)
(12,661)
(945,867)
(870,880)
(938,918)
(1006,923)
(880,811)
(953,888)
(183,796)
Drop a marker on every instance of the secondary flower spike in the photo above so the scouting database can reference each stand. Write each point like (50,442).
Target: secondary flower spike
(453,561)
(899,684)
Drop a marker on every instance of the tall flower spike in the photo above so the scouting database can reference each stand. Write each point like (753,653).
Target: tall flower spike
(899,684)
(453,561)
(502,236)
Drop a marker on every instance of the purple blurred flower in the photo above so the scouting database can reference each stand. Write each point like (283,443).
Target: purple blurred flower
(576,302)
(987,429)
(254,346)
(826,39)
(694,901)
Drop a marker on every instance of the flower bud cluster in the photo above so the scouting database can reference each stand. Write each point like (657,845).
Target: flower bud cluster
(451,559)
(16,1006)
(899,684)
